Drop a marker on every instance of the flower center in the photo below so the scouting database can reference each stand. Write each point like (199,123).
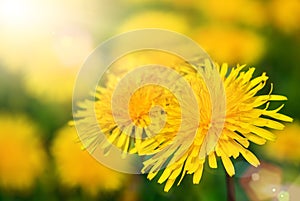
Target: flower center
(146,105)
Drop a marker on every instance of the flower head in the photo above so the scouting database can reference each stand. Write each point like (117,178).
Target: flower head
(77,168)
(245,121)
(241,45)
(22,158)
(156,19)
(286,145)
(285,15)
(128,133)
(235,11)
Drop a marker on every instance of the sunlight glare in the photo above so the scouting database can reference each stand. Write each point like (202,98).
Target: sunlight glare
(18,12)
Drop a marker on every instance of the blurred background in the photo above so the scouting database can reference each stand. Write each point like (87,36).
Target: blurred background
(44,43)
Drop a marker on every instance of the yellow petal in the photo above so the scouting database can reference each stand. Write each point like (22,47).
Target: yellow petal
(250,157)
(212,161)
(228,165)
(169,184)
(176,172)
(165,175)
(268,123)
(262,133)
(258,80)
(278,116)
(224,69)
(151,175)
(122,140)
(198,174)
(237,137)
(254,138)
(248,75)
(192,164)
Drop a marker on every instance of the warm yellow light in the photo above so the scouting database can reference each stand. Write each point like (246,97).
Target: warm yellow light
(18,12)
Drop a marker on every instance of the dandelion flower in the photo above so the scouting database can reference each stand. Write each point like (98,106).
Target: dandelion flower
(179,3)
(150,96)
(77,168)
(245,122)
(235,11)
(159,100)
(156,19)
(47,68)
(22,158)
(285,145)
(230,44)
(285,15)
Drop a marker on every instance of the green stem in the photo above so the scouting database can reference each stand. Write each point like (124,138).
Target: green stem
(230,188)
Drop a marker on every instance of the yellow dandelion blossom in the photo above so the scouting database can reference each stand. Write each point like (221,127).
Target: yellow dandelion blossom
(151,98)
(231,45)
(234,11)
(77,168)
(286,144)
(57,65)
(156,19)
(245,122)
(22,158)
(285,14)
(139,58)
(178,3)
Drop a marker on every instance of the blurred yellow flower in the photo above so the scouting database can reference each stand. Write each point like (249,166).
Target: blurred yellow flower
(186,3)
(141,58)
(248,12)
(52,71)
(156,19)
(22,158)
(285,14)
(286,147)
(52,63)
(77,167)
(231,45)
(48,78)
